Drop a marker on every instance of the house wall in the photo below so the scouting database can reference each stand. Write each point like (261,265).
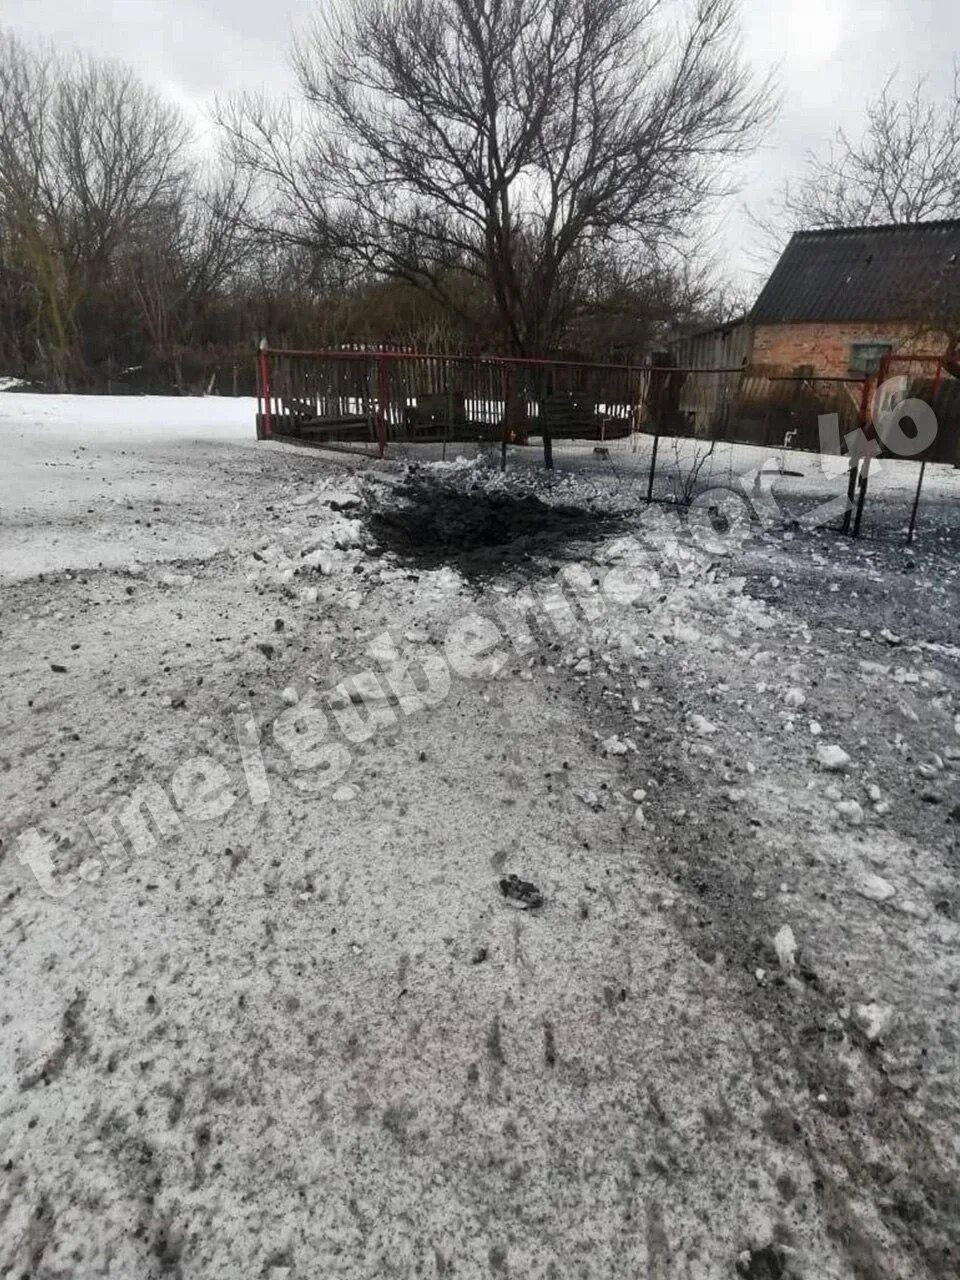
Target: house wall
(827,346)
(725,347)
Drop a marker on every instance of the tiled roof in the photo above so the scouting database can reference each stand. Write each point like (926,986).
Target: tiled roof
(903,272)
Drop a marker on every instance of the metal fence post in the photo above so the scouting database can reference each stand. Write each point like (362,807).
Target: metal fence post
(863,416)
(545,425)
(656,446)
(923,465)
(505,426)
(862,495)
(264,388)
(383,401)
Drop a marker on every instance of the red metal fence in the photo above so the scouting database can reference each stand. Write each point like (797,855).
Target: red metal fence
(928,383)
(376,398)
(370,400)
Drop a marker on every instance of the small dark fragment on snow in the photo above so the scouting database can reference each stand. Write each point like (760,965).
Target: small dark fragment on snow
(479,955)
(266,649)
(549,1045)
(768,1263)
(521,892)
(60,670)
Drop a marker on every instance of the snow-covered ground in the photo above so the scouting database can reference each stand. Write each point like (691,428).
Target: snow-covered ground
(300,1023)
(66,457)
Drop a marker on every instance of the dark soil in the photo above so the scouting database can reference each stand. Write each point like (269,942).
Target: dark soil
(430,522)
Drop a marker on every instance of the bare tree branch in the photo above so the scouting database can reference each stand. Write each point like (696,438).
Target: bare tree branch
(524,142)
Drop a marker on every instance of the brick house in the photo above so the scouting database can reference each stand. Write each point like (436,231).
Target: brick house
(839,300)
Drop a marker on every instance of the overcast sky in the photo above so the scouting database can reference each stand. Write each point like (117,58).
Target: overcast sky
(831,55)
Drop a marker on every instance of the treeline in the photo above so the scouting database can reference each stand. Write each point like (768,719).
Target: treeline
(123,261)
(128,262)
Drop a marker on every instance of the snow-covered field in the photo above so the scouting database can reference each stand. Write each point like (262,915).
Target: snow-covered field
(278,727)
(65,454)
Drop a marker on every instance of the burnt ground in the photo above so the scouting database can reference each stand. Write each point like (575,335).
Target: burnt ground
(877,1120)
(868,630)
(317,1037)
(429,521)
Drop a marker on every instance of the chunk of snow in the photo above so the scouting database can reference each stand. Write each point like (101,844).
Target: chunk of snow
(910,908)
(340,499)
(785,945)
(832,757)
(851,812)
(702,726)
(873,1019)
(875,887)
(324,560)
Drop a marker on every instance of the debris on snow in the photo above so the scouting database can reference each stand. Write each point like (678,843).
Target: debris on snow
(873,1019)
(794,697)
(589,798)
(851,812)
(832,757)
(322,560)
(701,726)
(874,887)
(785,945)
(521,893)
(340,500)
(907,907)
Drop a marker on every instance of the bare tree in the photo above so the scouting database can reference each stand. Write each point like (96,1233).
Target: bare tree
(904,168)
(87,156)
(520,142)
(182,258)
